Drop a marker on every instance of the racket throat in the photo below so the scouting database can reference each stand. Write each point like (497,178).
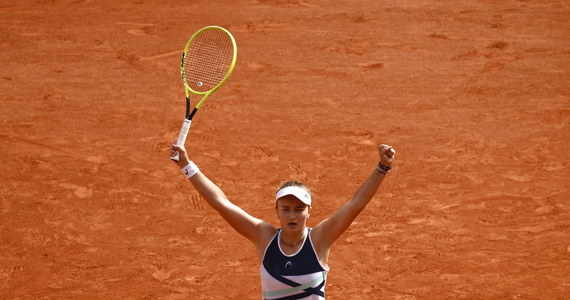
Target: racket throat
(187,105)
(191,115)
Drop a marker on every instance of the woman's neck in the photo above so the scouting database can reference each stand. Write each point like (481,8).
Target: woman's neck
(293,239)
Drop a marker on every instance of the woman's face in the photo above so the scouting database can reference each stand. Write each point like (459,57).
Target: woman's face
(292,213)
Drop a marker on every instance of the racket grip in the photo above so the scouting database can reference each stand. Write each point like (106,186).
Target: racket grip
(182,137)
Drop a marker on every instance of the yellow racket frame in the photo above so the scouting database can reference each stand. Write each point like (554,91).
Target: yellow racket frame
(207,94)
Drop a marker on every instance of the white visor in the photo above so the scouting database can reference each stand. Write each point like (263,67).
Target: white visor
(296,191)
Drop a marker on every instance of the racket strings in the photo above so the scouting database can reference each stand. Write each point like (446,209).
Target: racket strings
(208,59)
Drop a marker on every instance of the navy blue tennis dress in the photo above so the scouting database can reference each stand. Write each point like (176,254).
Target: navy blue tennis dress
(296,276)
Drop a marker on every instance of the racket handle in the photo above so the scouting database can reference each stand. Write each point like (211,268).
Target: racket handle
(182,137)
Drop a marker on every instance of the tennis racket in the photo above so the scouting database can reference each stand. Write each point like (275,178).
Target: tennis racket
(207,61)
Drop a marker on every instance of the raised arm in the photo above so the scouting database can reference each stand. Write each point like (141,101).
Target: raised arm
(250,227)
(329,230)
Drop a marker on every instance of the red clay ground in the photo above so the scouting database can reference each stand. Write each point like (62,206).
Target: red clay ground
(474,96)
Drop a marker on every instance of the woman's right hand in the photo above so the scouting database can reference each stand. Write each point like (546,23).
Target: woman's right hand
(183,161)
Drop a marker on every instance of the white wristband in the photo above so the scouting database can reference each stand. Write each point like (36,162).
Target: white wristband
(190,170)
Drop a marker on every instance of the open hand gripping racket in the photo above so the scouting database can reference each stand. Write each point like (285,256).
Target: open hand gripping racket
(207,61)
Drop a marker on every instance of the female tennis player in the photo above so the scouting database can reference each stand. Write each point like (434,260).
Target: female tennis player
(294,257)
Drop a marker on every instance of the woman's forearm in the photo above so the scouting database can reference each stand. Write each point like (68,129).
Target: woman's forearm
(368,189)
(209,191)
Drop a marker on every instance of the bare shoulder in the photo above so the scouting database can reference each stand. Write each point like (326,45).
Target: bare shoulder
(317,234)
(266,233)
(266,229)
(320,244)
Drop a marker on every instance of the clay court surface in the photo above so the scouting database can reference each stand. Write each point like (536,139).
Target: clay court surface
(472,94)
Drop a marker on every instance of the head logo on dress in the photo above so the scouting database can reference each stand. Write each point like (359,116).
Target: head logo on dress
(288,264)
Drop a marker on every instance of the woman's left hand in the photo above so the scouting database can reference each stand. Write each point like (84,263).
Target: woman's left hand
(387,154)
